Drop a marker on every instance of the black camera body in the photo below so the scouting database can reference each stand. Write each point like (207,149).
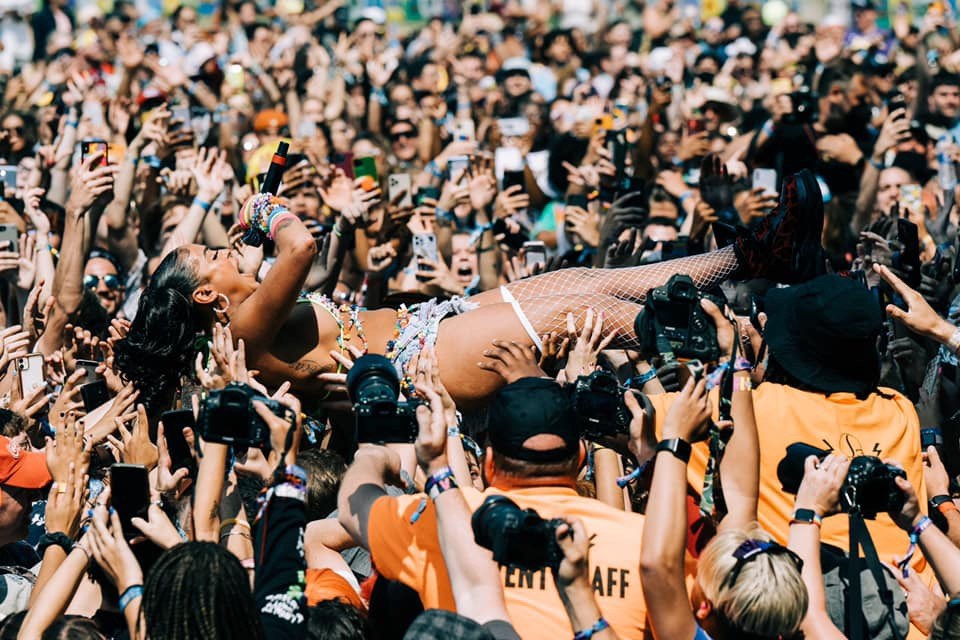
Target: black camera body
(517,537)
(597,399)
(804,107)
(870,486)
(227,416)
(374,388)
(672,320)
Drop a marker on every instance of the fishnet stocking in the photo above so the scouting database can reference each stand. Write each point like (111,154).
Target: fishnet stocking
(629,283)
(549,314)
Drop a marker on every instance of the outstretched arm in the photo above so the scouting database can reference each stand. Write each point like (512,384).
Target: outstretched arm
(664,535)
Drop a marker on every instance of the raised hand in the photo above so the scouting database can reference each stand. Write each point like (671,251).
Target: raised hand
(67,451)
(91,183)
(211,171)
(512,361)
(716,187)
(134,445)
(689,415)
(588,343)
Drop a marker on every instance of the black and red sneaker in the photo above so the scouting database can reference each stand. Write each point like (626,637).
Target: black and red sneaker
(785,246)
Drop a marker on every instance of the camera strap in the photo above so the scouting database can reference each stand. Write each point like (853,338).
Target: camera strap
(856,628)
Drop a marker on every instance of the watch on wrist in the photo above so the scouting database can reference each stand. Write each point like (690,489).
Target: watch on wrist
(805,516)
(942,503)
(678,448)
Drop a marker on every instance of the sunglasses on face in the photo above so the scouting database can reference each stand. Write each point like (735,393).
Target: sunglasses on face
(17,130)
(400,135)
(112,281)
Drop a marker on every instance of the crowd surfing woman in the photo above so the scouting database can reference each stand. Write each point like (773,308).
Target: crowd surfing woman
(288,337)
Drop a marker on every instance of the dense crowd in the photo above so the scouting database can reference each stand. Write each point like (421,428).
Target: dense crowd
(529,319)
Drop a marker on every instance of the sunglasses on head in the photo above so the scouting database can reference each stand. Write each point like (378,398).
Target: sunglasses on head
(750,549)
(91,281)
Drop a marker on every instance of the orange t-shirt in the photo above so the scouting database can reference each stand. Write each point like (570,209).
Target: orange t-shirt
(410,553)
(327,584)
(885,426)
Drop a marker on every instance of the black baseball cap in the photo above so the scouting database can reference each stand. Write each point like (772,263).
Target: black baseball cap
(530,407)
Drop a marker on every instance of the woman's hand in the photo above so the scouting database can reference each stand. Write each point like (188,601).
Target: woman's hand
(909,514)
(211,171)
(431,444)
(512,361)
(584,223)
(65,502)
(110,549)
(135,446)
(935,475)
(31,208)
(822,480)
(167,480)
(157,528)
(588,344)
(67,453)
(689,416)
(919,316)
(575,543)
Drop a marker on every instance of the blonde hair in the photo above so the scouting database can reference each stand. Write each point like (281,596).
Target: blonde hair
(768,597)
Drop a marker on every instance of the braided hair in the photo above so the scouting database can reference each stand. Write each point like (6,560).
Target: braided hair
(161,344)
(199,591)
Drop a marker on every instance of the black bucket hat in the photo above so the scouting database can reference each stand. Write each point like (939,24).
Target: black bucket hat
(824,333)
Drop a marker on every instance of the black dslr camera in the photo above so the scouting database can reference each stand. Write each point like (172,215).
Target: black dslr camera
(227,416)
(597,399)
(672,320)
(870,486)
(517,537)
(374,388)
(804,111)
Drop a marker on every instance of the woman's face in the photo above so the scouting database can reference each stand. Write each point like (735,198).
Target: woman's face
(341,136)
(219,273)
(13,128)
(463,259)
(560,50)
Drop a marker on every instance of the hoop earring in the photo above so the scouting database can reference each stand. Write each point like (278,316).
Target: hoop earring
(222,311)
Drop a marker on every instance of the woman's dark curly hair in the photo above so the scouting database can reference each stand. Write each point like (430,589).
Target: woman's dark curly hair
(161,344)
(199,591)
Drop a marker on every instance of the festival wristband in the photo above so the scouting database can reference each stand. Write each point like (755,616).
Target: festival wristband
(742,364)
(132,593)
(442,480)
(636,382)
(203,204)
(586,634)
(915,533)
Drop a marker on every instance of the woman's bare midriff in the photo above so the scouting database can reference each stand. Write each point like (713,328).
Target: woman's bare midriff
(460,344)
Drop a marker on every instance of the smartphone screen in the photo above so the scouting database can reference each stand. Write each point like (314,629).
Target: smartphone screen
(129,494)
(174,422)
(8,176)
(90,368)
(432,193)
(534,252)
(95,147)
(9,237)
(457,167)
(909,259)
(911,198)
(344,162)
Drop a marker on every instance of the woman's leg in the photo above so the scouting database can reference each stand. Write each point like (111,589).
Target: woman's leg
(463,338)
(629,283)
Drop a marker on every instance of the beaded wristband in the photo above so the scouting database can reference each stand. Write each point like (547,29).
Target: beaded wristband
(132,592)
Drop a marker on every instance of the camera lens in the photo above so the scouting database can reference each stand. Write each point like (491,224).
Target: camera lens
(374,382)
